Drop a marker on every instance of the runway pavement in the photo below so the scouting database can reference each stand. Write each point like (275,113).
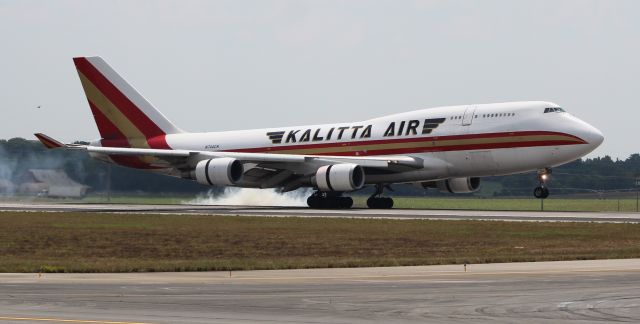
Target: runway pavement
(354,213)
(544,292)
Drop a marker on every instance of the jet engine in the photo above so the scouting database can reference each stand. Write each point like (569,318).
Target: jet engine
(454,185)
(220,172)
(339,177)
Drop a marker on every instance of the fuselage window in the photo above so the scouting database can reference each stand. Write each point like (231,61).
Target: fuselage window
(555,109)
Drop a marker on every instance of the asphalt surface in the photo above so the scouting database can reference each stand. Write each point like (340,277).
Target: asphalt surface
(544,292)
(353,213)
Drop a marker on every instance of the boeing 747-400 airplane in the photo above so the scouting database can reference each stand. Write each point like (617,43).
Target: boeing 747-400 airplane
(447,148)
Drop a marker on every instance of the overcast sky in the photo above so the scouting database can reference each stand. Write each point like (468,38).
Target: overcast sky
(224,65)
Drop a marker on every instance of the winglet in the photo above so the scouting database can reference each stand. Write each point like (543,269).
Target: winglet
(48,141)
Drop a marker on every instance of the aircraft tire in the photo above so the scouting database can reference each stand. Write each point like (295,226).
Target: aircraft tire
(329,202)
(346,202)
(545,192)
(313,202)
(380,203)
(541,192)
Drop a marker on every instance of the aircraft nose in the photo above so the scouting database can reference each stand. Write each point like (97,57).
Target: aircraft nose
(592,135)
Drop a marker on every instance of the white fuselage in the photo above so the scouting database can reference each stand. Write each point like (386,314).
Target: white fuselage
(456,141)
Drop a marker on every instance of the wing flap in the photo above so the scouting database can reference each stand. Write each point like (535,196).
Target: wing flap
(139,152)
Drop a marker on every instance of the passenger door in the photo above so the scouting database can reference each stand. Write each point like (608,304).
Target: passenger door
(469,114)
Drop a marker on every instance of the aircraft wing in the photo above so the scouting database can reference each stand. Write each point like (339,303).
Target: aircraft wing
(369,162)
(261,169)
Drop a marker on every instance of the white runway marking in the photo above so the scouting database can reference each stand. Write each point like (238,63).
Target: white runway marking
(350,213)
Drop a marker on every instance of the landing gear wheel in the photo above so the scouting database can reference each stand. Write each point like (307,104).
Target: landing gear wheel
(380,202)
(323,200)
(313,202)
(345,202)
(376,201)
(541,192)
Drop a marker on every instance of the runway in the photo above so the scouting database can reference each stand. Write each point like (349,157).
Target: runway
(307,212)
(544,292)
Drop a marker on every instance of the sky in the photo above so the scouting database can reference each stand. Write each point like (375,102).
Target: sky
(225,65)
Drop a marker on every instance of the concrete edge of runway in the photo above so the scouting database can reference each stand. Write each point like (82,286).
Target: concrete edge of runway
(337,274)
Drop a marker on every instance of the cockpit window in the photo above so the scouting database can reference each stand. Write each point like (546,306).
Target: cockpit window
(554,109)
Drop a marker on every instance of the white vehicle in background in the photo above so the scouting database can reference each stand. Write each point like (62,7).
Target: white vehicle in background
(448,148)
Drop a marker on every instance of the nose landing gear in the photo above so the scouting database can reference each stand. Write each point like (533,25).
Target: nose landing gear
(376,201)
(541,191)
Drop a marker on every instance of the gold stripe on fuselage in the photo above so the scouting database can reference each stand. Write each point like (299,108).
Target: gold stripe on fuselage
(427,144)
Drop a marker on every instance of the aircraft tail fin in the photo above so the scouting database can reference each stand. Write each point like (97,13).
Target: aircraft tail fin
(123,116)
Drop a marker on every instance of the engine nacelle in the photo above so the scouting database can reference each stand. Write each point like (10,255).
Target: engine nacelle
(219,172)
(339,177)
(455,185)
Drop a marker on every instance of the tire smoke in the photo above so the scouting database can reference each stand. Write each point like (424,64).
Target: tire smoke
(253,197)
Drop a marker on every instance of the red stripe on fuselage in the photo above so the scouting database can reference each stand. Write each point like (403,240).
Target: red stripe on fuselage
(159,142)
(446,148)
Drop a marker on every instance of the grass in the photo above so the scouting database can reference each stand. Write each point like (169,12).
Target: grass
(96,242)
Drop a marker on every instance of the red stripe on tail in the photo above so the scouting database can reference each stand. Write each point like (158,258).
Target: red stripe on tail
(126,106)
(107,129)
(155,136)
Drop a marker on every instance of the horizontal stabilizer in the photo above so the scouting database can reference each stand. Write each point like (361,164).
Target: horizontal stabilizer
(48,142)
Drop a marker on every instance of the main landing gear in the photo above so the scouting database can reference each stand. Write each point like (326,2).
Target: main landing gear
(334,200)
(541,191)
(376,201)
(329,200)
